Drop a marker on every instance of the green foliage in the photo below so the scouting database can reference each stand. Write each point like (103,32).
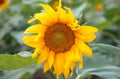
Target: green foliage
(10,62)
(99,66)
(18,73)
(25,76)
(106,72)
(104,48)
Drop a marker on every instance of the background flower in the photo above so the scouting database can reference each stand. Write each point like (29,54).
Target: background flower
(3,4)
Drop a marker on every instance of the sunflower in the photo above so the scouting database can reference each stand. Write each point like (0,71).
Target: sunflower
(3,4)
(99,6)
(58,39)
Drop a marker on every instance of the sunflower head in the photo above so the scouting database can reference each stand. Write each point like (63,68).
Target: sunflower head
(3,4)
(58,39)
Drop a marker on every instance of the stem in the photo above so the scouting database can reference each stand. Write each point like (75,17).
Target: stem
(57,77)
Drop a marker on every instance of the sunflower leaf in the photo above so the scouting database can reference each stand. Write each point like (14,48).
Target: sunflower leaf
(9,62)
(99,65)
(18,73)
(104,48)
(106,72)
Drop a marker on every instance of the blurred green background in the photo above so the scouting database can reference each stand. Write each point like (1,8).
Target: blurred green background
(103,14)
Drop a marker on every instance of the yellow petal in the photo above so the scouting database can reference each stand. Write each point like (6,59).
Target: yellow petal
(43,56)
(51,12)
(29,40)
(72,65)
(48,18)
(32,20)
(67,64)
(83,47)
(46,67)
(39,37)
(70,15)
(86,29)
(72,68)
(69,67)
(41,43)
(50,59)
(36,52)
(45,19)
(77,53)
(70,56)
(38,28)
(66,72)
(48,9)
(59,62)
(86,37)
(78,56)
(81,60)
(60,4)
(65,17)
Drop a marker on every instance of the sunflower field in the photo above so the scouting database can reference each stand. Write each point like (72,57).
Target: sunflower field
(59,39)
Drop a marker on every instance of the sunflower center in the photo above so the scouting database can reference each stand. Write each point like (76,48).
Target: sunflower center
(59,38)
(1,1)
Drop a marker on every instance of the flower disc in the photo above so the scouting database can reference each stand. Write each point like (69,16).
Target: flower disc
(59,37)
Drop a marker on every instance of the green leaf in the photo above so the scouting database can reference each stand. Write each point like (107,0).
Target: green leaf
(9,62)
(107,72)
(25,76)
(18,73)
(98,60)
(104,25)
(104,48)
(100,66)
